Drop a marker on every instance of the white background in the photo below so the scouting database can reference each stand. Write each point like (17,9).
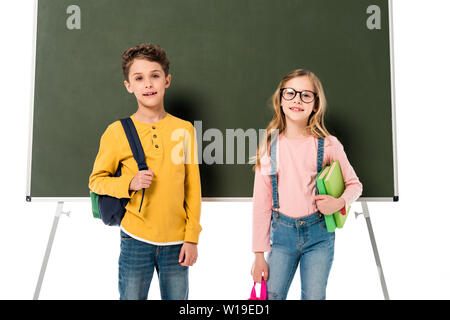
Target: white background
(411,234)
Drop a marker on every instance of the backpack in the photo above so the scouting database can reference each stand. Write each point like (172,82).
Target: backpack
(110,209)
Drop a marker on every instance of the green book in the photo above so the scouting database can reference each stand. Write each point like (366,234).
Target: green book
(329,219)
(334,185)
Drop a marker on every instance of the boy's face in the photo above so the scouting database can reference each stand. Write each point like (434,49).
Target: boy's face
(148,83)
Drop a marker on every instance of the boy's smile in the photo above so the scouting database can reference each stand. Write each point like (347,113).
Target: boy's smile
(149,94)
(148,83)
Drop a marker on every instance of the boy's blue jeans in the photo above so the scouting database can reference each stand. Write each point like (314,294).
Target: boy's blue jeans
(137,262)
(305,241)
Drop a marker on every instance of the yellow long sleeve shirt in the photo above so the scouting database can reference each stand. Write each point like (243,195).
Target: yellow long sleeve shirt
(170,212)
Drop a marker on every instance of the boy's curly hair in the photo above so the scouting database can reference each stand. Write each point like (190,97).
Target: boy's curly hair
(150,52)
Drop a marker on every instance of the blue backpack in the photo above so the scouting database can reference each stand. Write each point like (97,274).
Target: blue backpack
(111,210)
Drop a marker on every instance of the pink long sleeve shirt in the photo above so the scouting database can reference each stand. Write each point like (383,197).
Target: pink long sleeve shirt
(297,171)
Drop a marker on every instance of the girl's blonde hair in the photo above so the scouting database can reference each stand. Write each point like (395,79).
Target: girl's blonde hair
(316,121)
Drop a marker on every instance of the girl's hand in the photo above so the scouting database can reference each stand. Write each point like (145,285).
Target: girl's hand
(328,204)
(142,180)
(188,254)
(260,268)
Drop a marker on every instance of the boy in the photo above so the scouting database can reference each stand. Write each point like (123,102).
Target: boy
(163,231)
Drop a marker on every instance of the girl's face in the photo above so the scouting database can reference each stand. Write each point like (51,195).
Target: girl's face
(297,110)
(148,83)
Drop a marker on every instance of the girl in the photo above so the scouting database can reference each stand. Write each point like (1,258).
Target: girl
(288,217)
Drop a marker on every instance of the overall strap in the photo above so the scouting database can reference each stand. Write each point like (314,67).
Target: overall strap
(273,167)
(319,158)
(273,172)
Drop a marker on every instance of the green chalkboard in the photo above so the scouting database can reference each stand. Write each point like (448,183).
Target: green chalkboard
(227,58)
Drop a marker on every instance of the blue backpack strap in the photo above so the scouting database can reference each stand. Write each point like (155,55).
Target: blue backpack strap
(135,143)
(319,158)
(136,147)
(273,173)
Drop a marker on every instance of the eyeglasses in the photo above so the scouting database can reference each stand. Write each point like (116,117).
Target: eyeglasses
(306,96)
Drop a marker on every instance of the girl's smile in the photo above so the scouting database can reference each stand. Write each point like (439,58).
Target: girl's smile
(296,109)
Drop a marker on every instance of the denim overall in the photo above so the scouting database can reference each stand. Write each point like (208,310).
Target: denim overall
(295,241)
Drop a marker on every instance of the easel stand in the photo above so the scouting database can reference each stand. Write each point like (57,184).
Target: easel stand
(374,247)
(58,213)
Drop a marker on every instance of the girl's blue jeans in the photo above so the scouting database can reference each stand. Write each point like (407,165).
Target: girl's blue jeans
(303,241)
(137,262)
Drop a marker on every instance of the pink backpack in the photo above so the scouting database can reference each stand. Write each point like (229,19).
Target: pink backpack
(263,293)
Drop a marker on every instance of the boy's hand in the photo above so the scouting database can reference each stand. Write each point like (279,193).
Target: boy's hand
(142,180)
(260,268)
(328,204)
(188,254)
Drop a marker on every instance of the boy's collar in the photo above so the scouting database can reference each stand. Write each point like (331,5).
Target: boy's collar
(156,125)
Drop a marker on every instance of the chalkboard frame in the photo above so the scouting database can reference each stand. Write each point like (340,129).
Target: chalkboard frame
(29,198)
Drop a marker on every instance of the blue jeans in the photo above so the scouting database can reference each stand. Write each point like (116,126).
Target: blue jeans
(305,241)
(137,262)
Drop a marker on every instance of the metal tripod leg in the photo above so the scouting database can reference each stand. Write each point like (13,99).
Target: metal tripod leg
(374,247)
(58,213)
